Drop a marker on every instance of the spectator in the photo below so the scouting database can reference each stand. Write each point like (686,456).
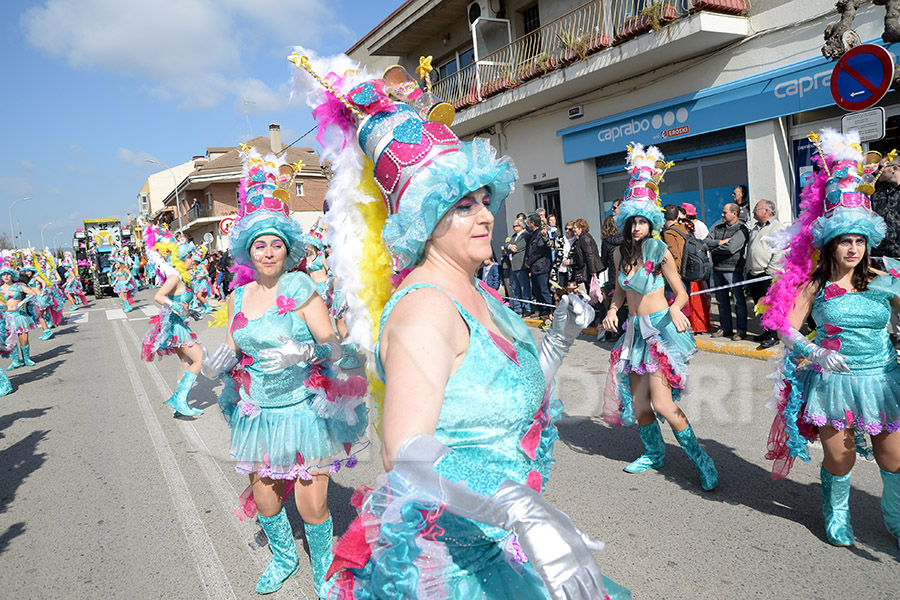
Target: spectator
(761,260)
(674,232)
(225,263)
(490,272)
(701,231)
(552,228)
(886,202)
(610,240)
(727,241)
(538,260)
(587,261)
(514,249)
(562,258)
(741,196)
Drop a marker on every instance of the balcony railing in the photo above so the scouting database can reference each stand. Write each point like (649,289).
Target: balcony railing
(588,29)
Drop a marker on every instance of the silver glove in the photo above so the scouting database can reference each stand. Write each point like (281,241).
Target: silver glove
(223,360)
(571,317)
(292,352)
(176,307)
(831,361)
(559,552)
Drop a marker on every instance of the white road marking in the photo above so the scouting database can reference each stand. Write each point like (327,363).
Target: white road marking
(209,566)
(139,319)
(150,311)
(113,314)
(77,318)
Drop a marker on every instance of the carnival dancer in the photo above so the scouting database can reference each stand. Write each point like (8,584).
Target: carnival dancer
(169,332)
(845,383)
(123,282)
(648,365)
(17,297)
(55,288)
(39,308)
(202,285)
(8,343)
(468,408)
(292,422)
(72,287)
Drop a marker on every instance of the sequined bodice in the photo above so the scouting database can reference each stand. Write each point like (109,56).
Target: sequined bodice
(317,264)
(283,387)
(855,324)
(643,281)
(15,292)
(490,401)
(184,297)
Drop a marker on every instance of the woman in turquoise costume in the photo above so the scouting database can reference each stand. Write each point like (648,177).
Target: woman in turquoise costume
(202,285)
(845,382)
(39,307)
(293,423)
(648,365)
(17,297)
(123,283)
(169,332)
(72,286)
(468,406)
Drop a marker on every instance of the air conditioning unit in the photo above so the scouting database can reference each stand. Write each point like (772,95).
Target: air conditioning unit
(480,8)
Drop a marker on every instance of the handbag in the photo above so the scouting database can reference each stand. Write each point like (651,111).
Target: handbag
(596,290)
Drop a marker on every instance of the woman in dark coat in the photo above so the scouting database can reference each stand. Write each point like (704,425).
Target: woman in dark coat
(610,239)
(586,256)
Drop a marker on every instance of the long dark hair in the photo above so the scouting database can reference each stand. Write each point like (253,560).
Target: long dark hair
(828,268)
(631,252)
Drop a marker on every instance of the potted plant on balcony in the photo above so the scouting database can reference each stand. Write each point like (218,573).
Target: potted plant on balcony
(529,71)
(653,16)
(508,79)
(728,7)
(546,63)
(596,43)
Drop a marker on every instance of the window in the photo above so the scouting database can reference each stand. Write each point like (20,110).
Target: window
(460,61)
(532,18)
(209,203)
(299,186)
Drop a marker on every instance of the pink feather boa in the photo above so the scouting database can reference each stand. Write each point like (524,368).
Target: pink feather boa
(801,258)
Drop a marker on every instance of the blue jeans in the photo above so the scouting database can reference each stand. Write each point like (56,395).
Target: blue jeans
(540,287)
(521,281)
(723,299)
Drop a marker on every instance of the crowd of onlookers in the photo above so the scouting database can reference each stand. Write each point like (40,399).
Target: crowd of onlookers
(542,260)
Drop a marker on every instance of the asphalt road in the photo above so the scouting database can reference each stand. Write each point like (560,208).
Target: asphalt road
(104,495)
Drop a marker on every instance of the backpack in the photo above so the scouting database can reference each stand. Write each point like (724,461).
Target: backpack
(695,262)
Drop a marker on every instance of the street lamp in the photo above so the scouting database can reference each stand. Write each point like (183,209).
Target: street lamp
(55,244)
(11,230)
(42,233)
(175,180)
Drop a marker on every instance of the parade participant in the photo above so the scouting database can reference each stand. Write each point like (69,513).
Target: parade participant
(169,332)
(123,283)
(39,307)
(468,409)
(292,422)
(51,273)
(72,287)
(17,298)
(202,285)
(845,383)
(8,345)
(648,365)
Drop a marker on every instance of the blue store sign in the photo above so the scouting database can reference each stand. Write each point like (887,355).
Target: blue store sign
(803,86)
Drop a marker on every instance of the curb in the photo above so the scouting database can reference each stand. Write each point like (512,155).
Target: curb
(719,347)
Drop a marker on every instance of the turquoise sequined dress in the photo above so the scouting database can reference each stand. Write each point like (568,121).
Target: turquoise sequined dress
(124,282)
(296,421)
(22,320)
(867,399)
(650,343)
(496,413)
(168,330)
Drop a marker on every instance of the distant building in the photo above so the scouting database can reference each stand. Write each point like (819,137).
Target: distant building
(208,190)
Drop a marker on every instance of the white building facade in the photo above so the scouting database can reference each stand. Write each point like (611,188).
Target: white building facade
(727,90)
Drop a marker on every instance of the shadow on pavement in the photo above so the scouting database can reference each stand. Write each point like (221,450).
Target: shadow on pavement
(740,481)
(31,374)
(31,413)
(17,462)
(50,353)
(14,531)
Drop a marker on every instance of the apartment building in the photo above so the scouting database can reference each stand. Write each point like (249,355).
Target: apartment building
(727,89)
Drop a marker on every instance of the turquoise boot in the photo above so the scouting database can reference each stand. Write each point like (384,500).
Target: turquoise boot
(709,477)
(16,361)
(5,385)
(654,449)
(26,358)
(127,307)
(284,561)
(47,334)
(178,401)
(836,508)
(349,358)
(319,538)
(890,502)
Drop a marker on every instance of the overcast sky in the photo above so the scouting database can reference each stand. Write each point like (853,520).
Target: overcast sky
(95,87)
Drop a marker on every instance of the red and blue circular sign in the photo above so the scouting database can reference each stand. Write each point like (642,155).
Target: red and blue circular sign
(862,77)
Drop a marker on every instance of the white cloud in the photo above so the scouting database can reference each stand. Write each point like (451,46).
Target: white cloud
(191,50)
(27,166)
(130,157)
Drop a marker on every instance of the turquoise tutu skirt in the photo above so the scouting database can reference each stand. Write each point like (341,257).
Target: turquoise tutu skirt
(21,320)
(650,344)
(864,399)
(168,332)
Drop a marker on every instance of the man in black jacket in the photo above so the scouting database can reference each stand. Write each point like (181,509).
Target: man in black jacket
(886,202)
(514,252)
(727,241)
(538,258)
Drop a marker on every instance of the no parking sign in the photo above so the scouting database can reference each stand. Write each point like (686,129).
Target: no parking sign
(862,77)
(225,225)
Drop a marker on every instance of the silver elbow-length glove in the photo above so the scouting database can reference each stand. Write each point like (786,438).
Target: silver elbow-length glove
(571,317)
(557,549)
(223,360)
(292,352)
(831,361)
